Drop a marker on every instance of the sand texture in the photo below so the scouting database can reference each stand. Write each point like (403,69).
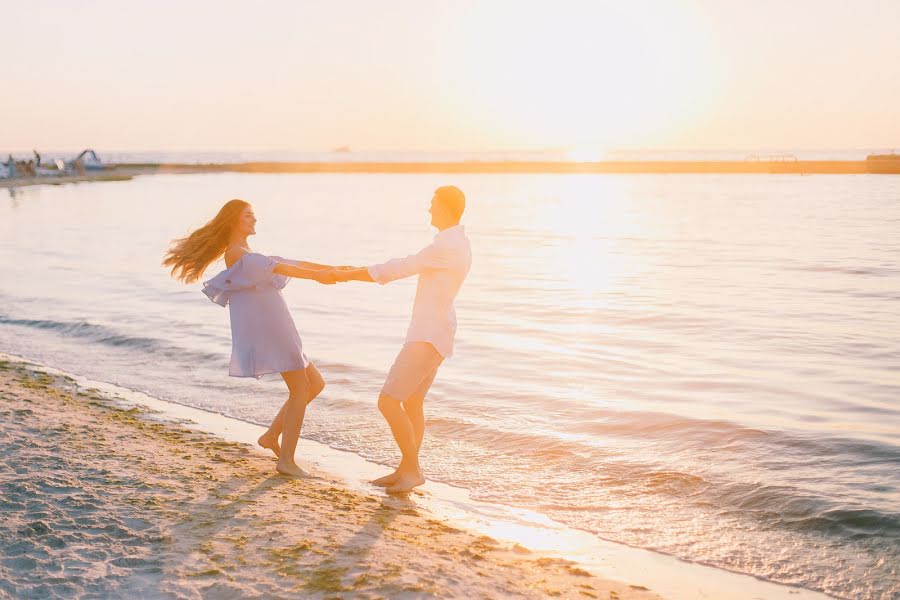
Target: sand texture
(99,500)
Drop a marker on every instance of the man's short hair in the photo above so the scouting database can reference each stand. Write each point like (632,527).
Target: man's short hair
(453,198)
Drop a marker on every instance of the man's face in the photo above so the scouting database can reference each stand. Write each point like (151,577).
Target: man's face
(434,209)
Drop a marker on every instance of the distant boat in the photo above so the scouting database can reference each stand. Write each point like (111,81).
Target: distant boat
(883,163)
(342,149)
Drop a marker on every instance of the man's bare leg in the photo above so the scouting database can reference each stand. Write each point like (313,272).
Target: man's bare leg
(270,438)
(414,408)
(409,473)
(416,415)
(415,411)
(388,480)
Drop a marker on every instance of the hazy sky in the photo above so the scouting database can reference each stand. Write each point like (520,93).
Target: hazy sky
(450,75)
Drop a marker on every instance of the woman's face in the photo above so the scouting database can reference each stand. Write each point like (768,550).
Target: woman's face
(247,221)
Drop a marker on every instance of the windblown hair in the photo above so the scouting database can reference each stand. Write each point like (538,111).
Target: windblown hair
(189,256)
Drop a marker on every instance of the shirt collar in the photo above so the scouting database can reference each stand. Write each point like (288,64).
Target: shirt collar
(450,231)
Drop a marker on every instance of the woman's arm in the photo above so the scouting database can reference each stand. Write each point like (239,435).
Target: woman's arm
(326,275)
(316,266)
(311,265)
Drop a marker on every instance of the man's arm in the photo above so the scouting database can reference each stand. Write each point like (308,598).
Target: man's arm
(430,257)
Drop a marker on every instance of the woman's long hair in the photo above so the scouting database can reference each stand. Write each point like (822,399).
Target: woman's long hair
(189,256)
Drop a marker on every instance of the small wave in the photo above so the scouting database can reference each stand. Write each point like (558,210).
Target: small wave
(789,508)
(543,446)
(101,334)
(853,522)
(849,270)
(667,428)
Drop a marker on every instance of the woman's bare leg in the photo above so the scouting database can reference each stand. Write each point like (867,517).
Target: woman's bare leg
(270,438)
(298,385)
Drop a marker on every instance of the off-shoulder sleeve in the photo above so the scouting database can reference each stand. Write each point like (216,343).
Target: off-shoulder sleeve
(250,271)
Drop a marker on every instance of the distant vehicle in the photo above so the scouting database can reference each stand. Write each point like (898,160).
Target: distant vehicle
(88,161)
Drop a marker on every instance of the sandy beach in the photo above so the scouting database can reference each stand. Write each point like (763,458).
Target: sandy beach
(99,499)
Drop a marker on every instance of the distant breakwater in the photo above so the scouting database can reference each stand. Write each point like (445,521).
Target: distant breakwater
(838,167)
(126,171)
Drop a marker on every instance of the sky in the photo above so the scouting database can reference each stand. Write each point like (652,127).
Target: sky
(449,75)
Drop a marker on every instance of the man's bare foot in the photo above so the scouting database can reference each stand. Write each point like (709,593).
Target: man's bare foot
(292,470)
(387,480)
(269,441)
(406,482)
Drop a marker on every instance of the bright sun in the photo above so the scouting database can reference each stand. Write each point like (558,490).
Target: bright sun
(597,75)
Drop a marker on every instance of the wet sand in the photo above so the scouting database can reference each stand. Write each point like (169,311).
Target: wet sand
(99,499)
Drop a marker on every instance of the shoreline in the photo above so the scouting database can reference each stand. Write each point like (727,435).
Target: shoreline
(112,175)
(514,528)
(127,171)
(104,498)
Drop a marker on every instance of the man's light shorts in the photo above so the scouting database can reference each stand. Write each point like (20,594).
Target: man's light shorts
(413,371)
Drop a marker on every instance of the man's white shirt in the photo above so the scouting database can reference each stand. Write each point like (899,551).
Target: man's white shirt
(442,267)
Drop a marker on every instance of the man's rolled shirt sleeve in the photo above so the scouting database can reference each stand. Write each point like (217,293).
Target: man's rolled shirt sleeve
(430,257)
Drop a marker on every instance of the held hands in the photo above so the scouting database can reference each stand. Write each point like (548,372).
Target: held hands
(325,276)
(332,275)
(342,273)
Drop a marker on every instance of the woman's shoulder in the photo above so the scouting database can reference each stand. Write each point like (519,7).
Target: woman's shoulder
(234,253)
(249,271)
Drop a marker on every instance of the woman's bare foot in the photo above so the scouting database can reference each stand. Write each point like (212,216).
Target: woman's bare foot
(269,441)
(387,480)
(292,470)
(406,482)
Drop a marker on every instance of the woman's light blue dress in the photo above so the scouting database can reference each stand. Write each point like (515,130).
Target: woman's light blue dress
(264,338)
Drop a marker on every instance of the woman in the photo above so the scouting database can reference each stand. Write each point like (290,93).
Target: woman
(263,335)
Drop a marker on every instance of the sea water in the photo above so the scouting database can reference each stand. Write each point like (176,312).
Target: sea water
(703,365)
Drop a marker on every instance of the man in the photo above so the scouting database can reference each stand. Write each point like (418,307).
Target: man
(442,267)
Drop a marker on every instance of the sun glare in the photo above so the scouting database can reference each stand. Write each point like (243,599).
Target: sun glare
(585,218)
(601,75)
